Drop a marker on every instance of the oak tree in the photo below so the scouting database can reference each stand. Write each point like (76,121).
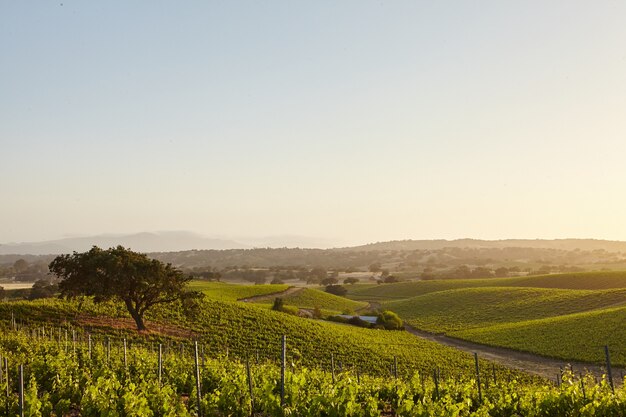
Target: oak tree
(121,274)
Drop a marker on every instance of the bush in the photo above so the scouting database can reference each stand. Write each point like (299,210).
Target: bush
(277,280)
(42,289)
(389,320)
(391,279)
(358,321)
(279,304)
(329,281)
(336,290)
(338,319)
(350,280)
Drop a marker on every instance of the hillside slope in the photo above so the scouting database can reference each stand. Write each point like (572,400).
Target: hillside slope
(468,308)
(579,336)
(577,281)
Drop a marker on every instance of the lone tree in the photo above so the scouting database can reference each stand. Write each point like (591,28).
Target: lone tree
(121,274)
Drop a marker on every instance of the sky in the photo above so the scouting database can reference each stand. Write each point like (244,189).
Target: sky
(358,121)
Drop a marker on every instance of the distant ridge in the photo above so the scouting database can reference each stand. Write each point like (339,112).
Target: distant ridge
(142,242)
(181,241)
(564,244)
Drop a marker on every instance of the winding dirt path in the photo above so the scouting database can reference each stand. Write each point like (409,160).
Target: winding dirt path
(529,362)
(272,296)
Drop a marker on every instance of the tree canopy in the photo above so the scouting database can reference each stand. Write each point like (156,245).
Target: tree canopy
(121,274)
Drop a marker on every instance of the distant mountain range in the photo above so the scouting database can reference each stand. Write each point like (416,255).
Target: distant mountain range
(176,241)
(142,242)
(564,244)
(172,241)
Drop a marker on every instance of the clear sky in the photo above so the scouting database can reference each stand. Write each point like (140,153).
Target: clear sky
(354,120)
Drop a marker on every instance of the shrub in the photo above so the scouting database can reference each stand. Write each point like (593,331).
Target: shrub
(329,281)
(358,321)
(278,304)
(336,290)
(338,319)
(389,320)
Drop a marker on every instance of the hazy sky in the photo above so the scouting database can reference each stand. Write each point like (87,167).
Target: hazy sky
(355,120)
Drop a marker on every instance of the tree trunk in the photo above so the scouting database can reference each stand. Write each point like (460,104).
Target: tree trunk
(139,321)
(135,315)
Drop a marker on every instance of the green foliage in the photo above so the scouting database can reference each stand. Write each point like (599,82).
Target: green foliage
(329,281)
(42,289)
(243,329)
(390,279)
(120,274)
(357,321)
(578,337)
(389,320)
(468,308)
(566,324)
(576,281)
(293,310)
(279,304)
(339,290)
(70,382)
(310,298)
(231,292)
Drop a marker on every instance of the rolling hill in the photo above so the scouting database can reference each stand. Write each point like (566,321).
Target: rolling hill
(577,281)
(468,308)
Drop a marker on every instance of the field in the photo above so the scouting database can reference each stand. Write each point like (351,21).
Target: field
(332,369)
(467,308)
(571,337)
(242,330)
(232,292)
(76,377)
(565,316)
(575,281)
(309,298)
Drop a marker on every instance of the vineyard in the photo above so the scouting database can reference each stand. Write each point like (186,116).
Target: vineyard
(569,317)
(227,358)
(571,337)
(310,298)
(242,329)
(64,372)
(468,308)
(574,281)
(232,292)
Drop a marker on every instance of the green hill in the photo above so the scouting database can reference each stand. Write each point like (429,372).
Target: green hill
(310,298)
(579,336)
(242,329)
(578,281)
(467,308)
(232,292)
